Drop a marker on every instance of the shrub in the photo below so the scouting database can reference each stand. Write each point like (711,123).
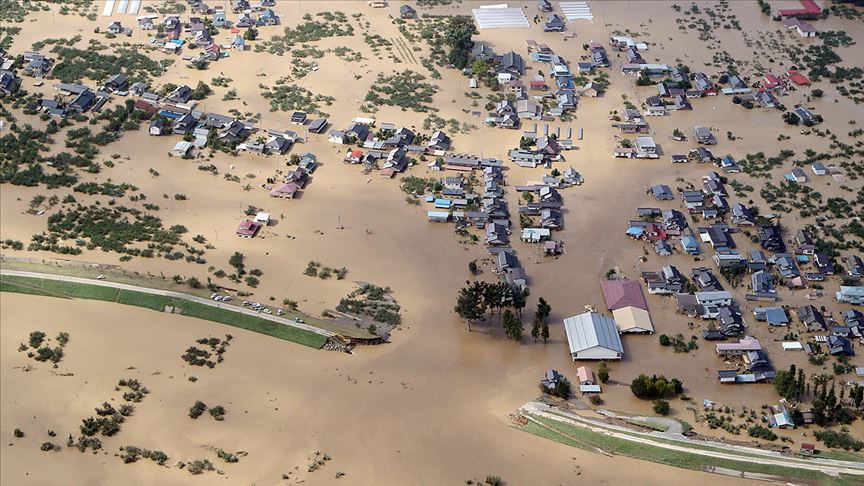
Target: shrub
(603,372)
(197,409)
(18,433)
(198,466)
(661,407)
(562,389)
(761,432)
(654,387)
(841,439)
(218,413)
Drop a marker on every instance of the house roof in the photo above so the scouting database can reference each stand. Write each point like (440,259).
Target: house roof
(584,373)
(632,319)
(623,293)
(589,330)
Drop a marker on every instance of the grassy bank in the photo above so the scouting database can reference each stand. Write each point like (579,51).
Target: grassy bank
(584,438)
(54,288)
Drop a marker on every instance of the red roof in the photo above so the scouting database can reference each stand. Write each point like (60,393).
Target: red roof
(623,293)
(357,153)
(810,8)
(287,188)
(797,77)
(145,106)
(248,227)
(538,83)
(808,447)
(771,81)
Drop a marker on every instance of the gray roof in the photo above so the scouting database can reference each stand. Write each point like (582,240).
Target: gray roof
(591,329)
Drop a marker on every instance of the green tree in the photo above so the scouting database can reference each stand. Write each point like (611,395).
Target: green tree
(512,325)
(457,36)
(786,383)
(603,372)
(541,320)
(236,261)
(470,304)
(562,389)
(251,34)
(661,407)
(518,298)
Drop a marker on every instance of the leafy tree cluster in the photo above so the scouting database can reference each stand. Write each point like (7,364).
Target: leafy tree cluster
(38,348)
(458,32)
(372,301)
(761,432)
(130,454)
(477,297)
(201,357)
(113,228)
(285,96)
(332,24)
(654,387)
(405,89)
(789,383)
(540,323)
(839,440)
(75,65)
(828,408)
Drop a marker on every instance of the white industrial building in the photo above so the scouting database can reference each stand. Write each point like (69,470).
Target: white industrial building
(593,336)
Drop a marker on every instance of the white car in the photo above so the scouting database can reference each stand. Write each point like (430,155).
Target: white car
(267,311)
(246,302)
(100,277)
(213,296)
(280,312)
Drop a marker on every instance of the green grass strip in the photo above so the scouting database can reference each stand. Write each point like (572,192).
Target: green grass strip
(56,288)
(669,457)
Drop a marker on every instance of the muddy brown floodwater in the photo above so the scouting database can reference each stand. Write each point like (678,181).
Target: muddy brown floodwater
(432,406)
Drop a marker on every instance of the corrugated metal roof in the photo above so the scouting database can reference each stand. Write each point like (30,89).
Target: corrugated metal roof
(591,329)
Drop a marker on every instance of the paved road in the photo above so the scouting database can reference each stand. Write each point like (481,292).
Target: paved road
(168,293)
(827,466)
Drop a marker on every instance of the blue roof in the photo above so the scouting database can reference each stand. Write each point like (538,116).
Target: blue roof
(803,258)
(438,214)
(688,242)
(774,315)
(635,231)
(430,199)
(169,114)
(442,203)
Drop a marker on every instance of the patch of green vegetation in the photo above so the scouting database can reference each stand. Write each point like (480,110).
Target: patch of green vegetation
(130,454)
(405,89)
(329,24)
(75,65)
(158,302)
(202,357)
(374,302)
(585,439)
(7,33)
(16,10)
(289,97)
(168,7)
(419,186)
(348,54)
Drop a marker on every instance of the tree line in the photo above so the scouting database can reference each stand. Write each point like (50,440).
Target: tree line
(476,298)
